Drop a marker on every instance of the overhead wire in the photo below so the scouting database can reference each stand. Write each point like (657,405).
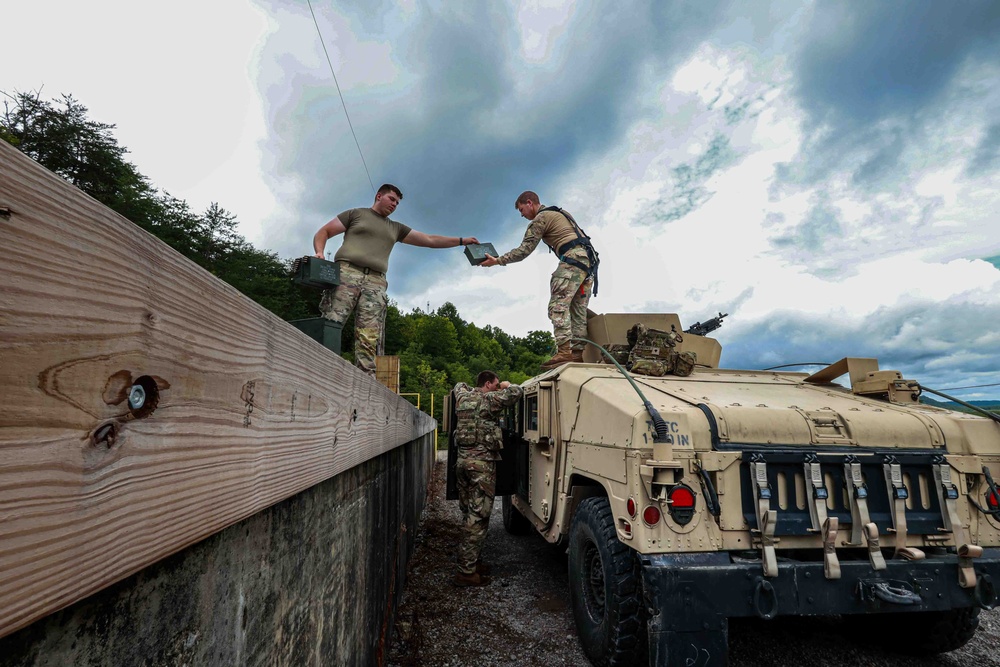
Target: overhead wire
(342,102)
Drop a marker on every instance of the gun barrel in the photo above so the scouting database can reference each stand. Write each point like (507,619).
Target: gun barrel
(706,327)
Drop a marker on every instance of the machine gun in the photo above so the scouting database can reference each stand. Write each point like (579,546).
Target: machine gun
(707,327)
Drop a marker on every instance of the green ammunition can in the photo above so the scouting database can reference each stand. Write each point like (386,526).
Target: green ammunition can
(325,332)
(476,252)
(315,272)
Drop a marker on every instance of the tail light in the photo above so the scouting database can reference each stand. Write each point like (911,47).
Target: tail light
(992,501)
(651,515)
(681,503)
(630,506)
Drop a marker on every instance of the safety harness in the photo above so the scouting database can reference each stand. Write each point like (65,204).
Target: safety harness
(580,240)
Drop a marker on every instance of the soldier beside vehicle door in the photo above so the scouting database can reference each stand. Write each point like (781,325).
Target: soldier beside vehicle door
(479,440)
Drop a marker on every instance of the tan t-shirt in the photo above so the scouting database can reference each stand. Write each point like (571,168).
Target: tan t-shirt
(369,238)
(551,227)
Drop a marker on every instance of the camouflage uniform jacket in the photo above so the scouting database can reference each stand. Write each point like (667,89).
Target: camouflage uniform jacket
(477,432)
(551,227)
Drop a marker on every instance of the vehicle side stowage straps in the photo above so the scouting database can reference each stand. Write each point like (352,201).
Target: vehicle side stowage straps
(767,518)
(897,496)
(948,498)
(863,530)
(825,525)
(580,240)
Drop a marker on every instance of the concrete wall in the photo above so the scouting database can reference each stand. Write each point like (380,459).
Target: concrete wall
(313,580)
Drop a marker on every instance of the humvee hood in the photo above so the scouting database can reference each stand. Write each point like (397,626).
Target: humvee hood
(778,409)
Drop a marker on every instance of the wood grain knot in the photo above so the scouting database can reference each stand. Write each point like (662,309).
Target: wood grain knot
(105,435)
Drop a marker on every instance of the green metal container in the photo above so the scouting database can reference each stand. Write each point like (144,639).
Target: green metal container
(324,331)
(476,252)
(315,272)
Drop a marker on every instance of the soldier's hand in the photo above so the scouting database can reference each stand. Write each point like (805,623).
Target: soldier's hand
(489,261)
(470,240)
(320,255)
(504,384)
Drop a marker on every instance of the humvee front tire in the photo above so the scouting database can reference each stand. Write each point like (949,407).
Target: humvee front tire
(921,633)
(513,521)
(605,583)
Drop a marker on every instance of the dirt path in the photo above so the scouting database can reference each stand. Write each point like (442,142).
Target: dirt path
(524,616)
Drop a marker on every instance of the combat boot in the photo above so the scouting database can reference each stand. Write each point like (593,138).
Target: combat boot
(563,355)
(475,579)
(577,357)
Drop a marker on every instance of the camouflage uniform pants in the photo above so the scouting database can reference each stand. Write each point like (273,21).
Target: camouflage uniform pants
(476,481)
(365,294)
(570,294)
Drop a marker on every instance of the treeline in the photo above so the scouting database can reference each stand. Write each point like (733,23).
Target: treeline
(60,136)
(436,349)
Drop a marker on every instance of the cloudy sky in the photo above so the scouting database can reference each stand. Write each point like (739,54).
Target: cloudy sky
(826,173)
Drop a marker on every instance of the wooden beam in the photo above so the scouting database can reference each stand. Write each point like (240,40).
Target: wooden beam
(248,410)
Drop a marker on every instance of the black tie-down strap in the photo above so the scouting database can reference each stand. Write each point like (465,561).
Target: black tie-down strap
(580,240)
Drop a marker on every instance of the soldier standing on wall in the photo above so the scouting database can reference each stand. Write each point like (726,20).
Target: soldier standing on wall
(573,280)
(369,236)
(479,440)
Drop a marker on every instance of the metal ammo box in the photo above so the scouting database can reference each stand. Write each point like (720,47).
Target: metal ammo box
(325,332)
(315,272)
(476,252)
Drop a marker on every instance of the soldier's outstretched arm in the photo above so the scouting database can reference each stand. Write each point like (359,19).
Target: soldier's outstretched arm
(330,229)
(435,241)
(532,237)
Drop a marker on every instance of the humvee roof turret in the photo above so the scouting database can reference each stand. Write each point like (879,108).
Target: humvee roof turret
(687,501)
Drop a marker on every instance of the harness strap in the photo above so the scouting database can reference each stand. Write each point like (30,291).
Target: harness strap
(831,565)
(767,518)
(581,240)
(863,531)
(948,498)
(817,506)
(826,526)
(898,495)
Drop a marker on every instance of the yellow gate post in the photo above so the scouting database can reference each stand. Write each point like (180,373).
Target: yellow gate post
(413,394)
(435,430)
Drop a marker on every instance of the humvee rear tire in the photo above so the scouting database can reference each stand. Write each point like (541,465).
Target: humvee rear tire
(605,583)
(513,521)
(921,633)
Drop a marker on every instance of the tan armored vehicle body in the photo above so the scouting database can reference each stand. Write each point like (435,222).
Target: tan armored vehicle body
(685,501)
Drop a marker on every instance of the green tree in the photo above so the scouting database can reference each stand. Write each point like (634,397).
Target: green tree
(60,136)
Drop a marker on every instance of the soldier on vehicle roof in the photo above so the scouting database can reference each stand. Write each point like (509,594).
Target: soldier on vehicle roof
(369,236)
(479,440)
(574,279)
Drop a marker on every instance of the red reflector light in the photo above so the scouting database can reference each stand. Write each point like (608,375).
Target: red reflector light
(681,497)
(651,515)
(630,506)
(992,500)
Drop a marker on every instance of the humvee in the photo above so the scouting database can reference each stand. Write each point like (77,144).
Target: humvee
(686,501)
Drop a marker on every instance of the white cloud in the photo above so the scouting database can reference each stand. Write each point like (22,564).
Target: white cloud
(543,25)
(176,79)
(716,187)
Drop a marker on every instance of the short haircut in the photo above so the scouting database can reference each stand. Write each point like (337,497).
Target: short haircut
(389,187)
(525,197)
(484,377)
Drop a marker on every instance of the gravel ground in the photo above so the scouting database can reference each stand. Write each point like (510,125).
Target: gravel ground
(524,617)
